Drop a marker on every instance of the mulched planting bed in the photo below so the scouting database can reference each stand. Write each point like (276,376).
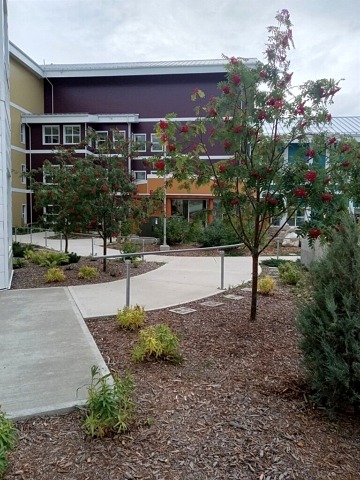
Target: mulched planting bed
(236,408)
(32,276)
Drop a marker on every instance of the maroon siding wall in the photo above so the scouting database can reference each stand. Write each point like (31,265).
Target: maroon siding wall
(149,96)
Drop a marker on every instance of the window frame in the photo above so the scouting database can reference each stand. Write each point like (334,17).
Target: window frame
(52,134)
(72,134)
(23,173)
(135,172)
(118,132)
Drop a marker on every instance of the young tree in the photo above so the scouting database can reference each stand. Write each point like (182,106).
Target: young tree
(330,322)
(254,119)
(97,191)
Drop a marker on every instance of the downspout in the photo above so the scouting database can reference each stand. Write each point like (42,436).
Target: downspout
(52,91)
(129,150)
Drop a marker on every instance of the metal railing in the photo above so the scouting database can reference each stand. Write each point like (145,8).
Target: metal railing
(221,250)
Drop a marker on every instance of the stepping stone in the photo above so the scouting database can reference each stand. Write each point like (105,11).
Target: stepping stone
(233,297)
(182,310)
(246,289)
(211,303)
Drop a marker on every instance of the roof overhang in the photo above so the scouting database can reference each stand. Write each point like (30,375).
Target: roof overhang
(79,118)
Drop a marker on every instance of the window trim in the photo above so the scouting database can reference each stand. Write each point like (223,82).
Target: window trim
(72,134)
(50,135)
(135,172)
(117,132)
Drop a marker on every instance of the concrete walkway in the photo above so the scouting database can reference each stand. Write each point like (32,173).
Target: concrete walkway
(46,350)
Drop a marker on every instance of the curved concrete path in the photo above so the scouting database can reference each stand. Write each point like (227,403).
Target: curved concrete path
(46,350)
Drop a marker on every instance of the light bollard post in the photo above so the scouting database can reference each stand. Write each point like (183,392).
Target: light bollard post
(92,246)
(222,267)
(31,236)
(46,238)
(127,263)
(61,242)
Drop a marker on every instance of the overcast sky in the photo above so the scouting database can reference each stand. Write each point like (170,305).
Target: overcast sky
(326,34)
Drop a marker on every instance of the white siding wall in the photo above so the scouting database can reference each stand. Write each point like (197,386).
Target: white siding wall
(5,159)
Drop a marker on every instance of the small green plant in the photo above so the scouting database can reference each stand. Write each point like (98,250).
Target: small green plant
(290,272)
(18,262)
(218,233)
(131,317)
(177,229)
(136,262)
(54,274)
(266,285)
(157,342)
(88,273)
(73,257)
(46,258)
(7,440)
(109,407)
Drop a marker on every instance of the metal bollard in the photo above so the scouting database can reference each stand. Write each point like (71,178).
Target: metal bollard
(46,238)
(61,242)
(15,234)
(127,263)
(277,248)
(222,267)
(31,236)
(92,246)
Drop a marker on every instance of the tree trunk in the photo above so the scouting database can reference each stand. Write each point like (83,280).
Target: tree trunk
(254,278)
(66,243)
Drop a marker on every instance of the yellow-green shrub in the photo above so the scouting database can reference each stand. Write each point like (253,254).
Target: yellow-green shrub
(266,285)
(157,342)
(88,273)
(54,274)
(131,317)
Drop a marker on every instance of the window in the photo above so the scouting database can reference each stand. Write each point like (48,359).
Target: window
(51,134)
(49,178)
(23,172)
(155,143)
(101,138)
(139,175)
(118,135)
(50,213)
(23,214)
(72,134)
(140,140)
(22,133)
(298,218)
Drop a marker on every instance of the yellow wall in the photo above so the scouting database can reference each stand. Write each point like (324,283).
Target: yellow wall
(203,191)
(26,95)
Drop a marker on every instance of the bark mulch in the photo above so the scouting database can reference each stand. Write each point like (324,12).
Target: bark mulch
(236,408)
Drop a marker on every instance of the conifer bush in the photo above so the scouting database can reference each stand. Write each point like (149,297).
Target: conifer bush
(330,323)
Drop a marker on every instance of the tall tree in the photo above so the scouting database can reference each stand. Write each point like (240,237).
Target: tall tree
(97,191)
(256,116)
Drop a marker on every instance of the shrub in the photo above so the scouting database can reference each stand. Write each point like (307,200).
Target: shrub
(130,247)
(266,285)
(177,229)
(290,272)
(73,257)
(88,273)
(218,233)
(273,262)
(19,249)
(131,317)
(47,258)
(157,342)
(109,407)
(7,440)
(330,323)
(54,274)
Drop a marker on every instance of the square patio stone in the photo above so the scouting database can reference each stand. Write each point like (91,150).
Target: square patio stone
(212,303)
(182,310)
(233,297)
